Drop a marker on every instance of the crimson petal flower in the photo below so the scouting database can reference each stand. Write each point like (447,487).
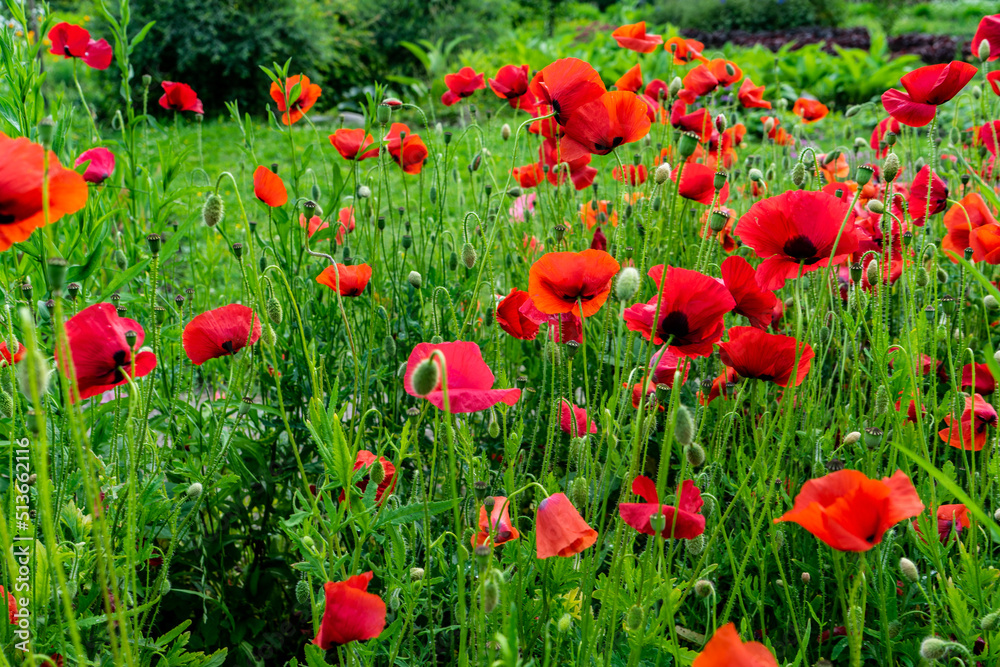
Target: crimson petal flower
(699,122)
(180,97)
(462,84)
(600,126)
(305,95)
(353,144)
(698,184)
(917,199)
(752,302)
(952,520)
(721,68)
(558,280)
(529,175)
(691,311)
(566,85)
(512,320)
(101,164)
(631,80)
(408,151)
(498,522)
(726,649)
(353,279)
(470,380)
(683,521)
(986,384)
(970,431)
(796,229)
(850,512)
(101,356)
(751,96)
(72,41)
(633,175)
(314,224)
(962,221)
(511,84)
(634,38)
(926,89)
(22,170)
(563,327)
(883,128)
(580,172)
(560,530)
(759,355)
(573,420)
(5,354)
(988,29)
(351,613)
(220,332)
(365,459)
(269,188)
(700,81)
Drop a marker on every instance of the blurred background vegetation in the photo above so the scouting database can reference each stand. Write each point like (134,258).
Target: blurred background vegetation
(216,46)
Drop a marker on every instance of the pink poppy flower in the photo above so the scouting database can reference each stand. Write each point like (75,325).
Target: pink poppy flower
(577,424)
(102,164)
(470,380)
(72,41)
(683,521)
(523,205)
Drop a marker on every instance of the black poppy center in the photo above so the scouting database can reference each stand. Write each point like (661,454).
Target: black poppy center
(675,324)
(228,346)
(121,360)
(800,248)
(66,51)
(7,219)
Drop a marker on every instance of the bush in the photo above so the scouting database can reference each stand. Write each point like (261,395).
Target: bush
(216,46)
(751,15)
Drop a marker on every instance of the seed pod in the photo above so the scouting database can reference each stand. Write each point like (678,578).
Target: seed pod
(687,144)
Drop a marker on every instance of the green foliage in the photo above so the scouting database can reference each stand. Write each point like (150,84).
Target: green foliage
(751,15)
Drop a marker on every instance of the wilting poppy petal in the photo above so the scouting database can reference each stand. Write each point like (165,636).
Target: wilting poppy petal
(351,613)
(220,332)
(850,512)
(559,528)
(470,380)
(726,649)
(102,164)
(352,279)
(269,188)
(180,97)
(559,282)
(101,356)
(759,355)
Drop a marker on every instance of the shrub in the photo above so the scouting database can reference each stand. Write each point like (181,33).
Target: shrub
(751,15)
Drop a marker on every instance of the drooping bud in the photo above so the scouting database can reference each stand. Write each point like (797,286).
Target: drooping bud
(875,206)
(468,255)
(274,311)
(662,173)
(890,167)
(798,174)
(695,454)
(933,648)
(909,570)
(565,623)
(696,545)
(364,192)
(425,377)
(627,284)
(121,261)
(756,175)
(704,588)
(684,426)
(213,210)
(505,132)
(990,622)
(851,438)
(415,279)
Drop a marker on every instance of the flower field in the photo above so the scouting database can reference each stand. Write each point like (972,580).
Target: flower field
(530,366)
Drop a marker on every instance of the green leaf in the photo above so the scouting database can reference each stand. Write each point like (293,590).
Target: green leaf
(123,278)
(315,656)
(412,512)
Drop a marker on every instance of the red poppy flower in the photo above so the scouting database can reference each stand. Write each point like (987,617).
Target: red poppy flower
(699,82)
(269,188)
(685,50)
(72,41)
(511,84)
(683,522)
(180,97)
(100,164)
(926,88)
(699,122)
(657,89)
(634,38)
(986,243)
(726,649)
(809,111)
(986,384)
(591,215)
(573,420)
(353,279)
(751,96)
(566,85)
(560,281)
(988,29)
(600,126)
(719,387)
(752,302)
(498,523)
(366,459)
(547,127)
(220,332)
(529,175)
(301,95)
(470,380)
(952,520)
(759,355)
(408,152)
(563,327)
(353,144)
(599,241)
(993,78)
(351,613)
(345,216)
(835,169)
(462,84)
(510,318)
(962,222)
(11,605)
(850,512)
(633,175)
(665,364)
(917,199)
(690,315)
(5,354)
(970,432)
(21,174)
(314,225)
(726,72)
(559,528)
(795,231)
(698,184)
(630,81)
(102,358)
(579,170)
(883,128)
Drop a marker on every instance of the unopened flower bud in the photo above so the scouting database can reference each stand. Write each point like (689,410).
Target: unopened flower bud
(875,206)
(468,255)
(890,167)
(695,454)
(933,648)
(505,132)
(675,86)
(194,490)
(755,175)
(377,472)
(415,279)
(662,173)
(909,570)
(634,618)
(684,426)
(696,545)
(416,573)
(798,174)
(425,377)
(704,588)
(851,438)
(984,49)
(627,284)
(565,623)
(213,210)
(364,192)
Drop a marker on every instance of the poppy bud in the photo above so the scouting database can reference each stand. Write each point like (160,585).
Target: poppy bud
(798,174)
(703,588)
(875,206)
(718,220)
(302,591)
(505,132)
(942,275)
(468,255)
(675,86)
(514,192)
(859,144)
(416,573)
(863,174)
(153,240)
(934,649)
(377,472)
(6,404)
(476,161)
(55,268)
(872,272)
(990,622)
(46,129)
(436,340)
(213,210)
(194,490)
(274,311)
(851,438)
(909,570)
(695,454)
(146,80)
(852,111)
(662,173)
(756,175)
(579,491)
(238,250)
(120,260)
(634,618)
(482,556)
(695,545)
(890,167)
(269,335)
(425,377)
(984,49)
(364,192)
(565,623)
(768,125)
(491,592)
(687,144)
